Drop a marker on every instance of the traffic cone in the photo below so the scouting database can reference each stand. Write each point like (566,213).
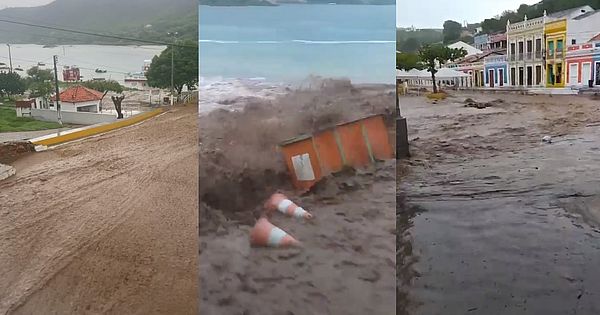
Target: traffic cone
(281,203)
(266,234)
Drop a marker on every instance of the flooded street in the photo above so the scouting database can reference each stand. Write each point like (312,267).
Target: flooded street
(504,223)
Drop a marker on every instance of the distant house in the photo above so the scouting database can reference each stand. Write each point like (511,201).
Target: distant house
(470,49)
(138,82)
(79,99)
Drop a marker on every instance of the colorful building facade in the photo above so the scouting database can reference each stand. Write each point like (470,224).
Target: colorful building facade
(525,52)
(496,71)
(583,65)
(555,33)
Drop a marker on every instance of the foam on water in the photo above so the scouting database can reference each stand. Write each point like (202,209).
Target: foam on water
(229,93)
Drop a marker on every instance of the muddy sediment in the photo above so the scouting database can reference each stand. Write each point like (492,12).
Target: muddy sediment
(106,225)
(502,222)
(347,263)
(239,154)
(13,150)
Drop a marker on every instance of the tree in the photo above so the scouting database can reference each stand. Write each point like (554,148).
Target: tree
(105,87)
(452,31)
(185,67)
(39,82)
(411,45)
(11,84)
(437,55)
(407,61)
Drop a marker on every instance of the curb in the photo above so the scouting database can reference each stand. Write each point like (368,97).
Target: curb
(84,132)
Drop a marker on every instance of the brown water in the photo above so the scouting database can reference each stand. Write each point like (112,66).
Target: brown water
(505,224)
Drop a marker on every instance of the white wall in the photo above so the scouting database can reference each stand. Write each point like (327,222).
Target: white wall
(72,107)
(583,30)
(79,118)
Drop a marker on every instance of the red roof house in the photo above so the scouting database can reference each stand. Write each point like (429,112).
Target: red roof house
(80,99)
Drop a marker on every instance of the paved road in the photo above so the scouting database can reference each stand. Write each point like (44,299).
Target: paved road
(26,135)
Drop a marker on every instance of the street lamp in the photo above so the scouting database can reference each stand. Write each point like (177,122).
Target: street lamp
(174,34)
(10,58)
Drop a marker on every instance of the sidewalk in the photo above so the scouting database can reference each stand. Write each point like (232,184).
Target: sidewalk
(26,135)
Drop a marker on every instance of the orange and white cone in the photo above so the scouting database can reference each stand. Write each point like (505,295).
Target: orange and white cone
(281,203)
(266,234)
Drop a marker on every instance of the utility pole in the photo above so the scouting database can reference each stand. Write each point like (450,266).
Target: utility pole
(56,90)
(173,65)
(9,58)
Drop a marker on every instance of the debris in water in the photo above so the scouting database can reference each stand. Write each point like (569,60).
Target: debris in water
(547,139)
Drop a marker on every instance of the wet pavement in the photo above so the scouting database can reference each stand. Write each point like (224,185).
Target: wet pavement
(505,223)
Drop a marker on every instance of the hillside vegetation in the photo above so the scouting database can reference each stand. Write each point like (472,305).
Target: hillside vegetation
(144,19)
(498,23)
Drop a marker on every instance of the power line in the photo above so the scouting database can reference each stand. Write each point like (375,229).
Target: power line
(96,34)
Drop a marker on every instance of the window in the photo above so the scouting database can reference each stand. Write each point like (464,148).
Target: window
(573,41)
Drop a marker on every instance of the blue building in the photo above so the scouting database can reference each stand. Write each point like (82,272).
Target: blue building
(495,71)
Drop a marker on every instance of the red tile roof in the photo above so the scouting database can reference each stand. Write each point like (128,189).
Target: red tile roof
(78,94)
(595,38)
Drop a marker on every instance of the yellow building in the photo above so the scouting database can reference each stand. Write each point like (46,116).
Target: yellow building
(555,33)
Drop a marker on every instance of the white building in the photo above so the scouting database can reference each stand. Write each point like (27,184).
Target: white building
(79,99)
(583,28)
(470,49)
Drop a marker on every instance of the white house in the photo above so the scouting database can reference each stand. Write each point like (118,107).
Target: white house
(79,99)
(138,82)
(470,49)
(582,28)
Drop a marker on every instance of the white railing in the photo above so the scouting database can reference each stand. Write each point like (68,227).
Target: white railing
(496,59)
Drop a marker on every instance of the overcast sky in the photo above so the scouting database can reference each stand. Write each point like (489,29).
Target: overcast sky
(22,3)
(433,13)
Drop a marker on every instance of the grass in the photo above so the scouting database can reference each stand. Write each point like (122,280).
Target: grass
(9,122)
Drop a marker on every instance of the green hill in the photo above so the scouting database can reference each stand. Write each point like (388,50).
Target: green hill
(145,19)
(498,23)
(277,2)
(408,40)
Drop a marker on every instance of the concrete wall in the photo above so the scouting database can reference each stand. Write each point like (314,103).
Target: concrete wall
(79,118)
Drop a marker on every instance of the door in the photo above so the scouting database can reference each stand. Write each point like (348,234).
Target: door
(513,77)
(597,73)
(521,75)
(538,75)
(573,73)
(529,76)
(501,77)
(586,73)
(491,77)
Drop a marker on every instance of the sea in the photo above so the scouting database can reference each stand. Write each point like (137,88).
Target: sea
(118,61)
(246,51)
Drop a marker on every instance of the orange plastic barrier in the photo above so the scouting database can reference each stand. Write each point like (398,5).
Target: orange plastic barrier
(356,144)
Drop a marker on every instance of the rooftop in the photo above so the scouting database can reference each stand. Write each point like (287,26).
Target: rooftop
(79,94)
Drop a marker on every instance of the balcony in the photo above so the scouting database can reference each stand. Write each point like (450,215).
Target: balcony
(496,59)
(560,53)
(529,56)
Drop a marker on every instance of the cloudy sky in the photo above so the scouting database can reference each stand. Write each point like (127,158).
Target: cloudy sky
(22,3)
(433,13)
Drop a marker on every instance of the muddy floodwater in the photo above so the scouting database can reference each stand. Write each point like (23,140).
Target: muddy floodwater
(496,221)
